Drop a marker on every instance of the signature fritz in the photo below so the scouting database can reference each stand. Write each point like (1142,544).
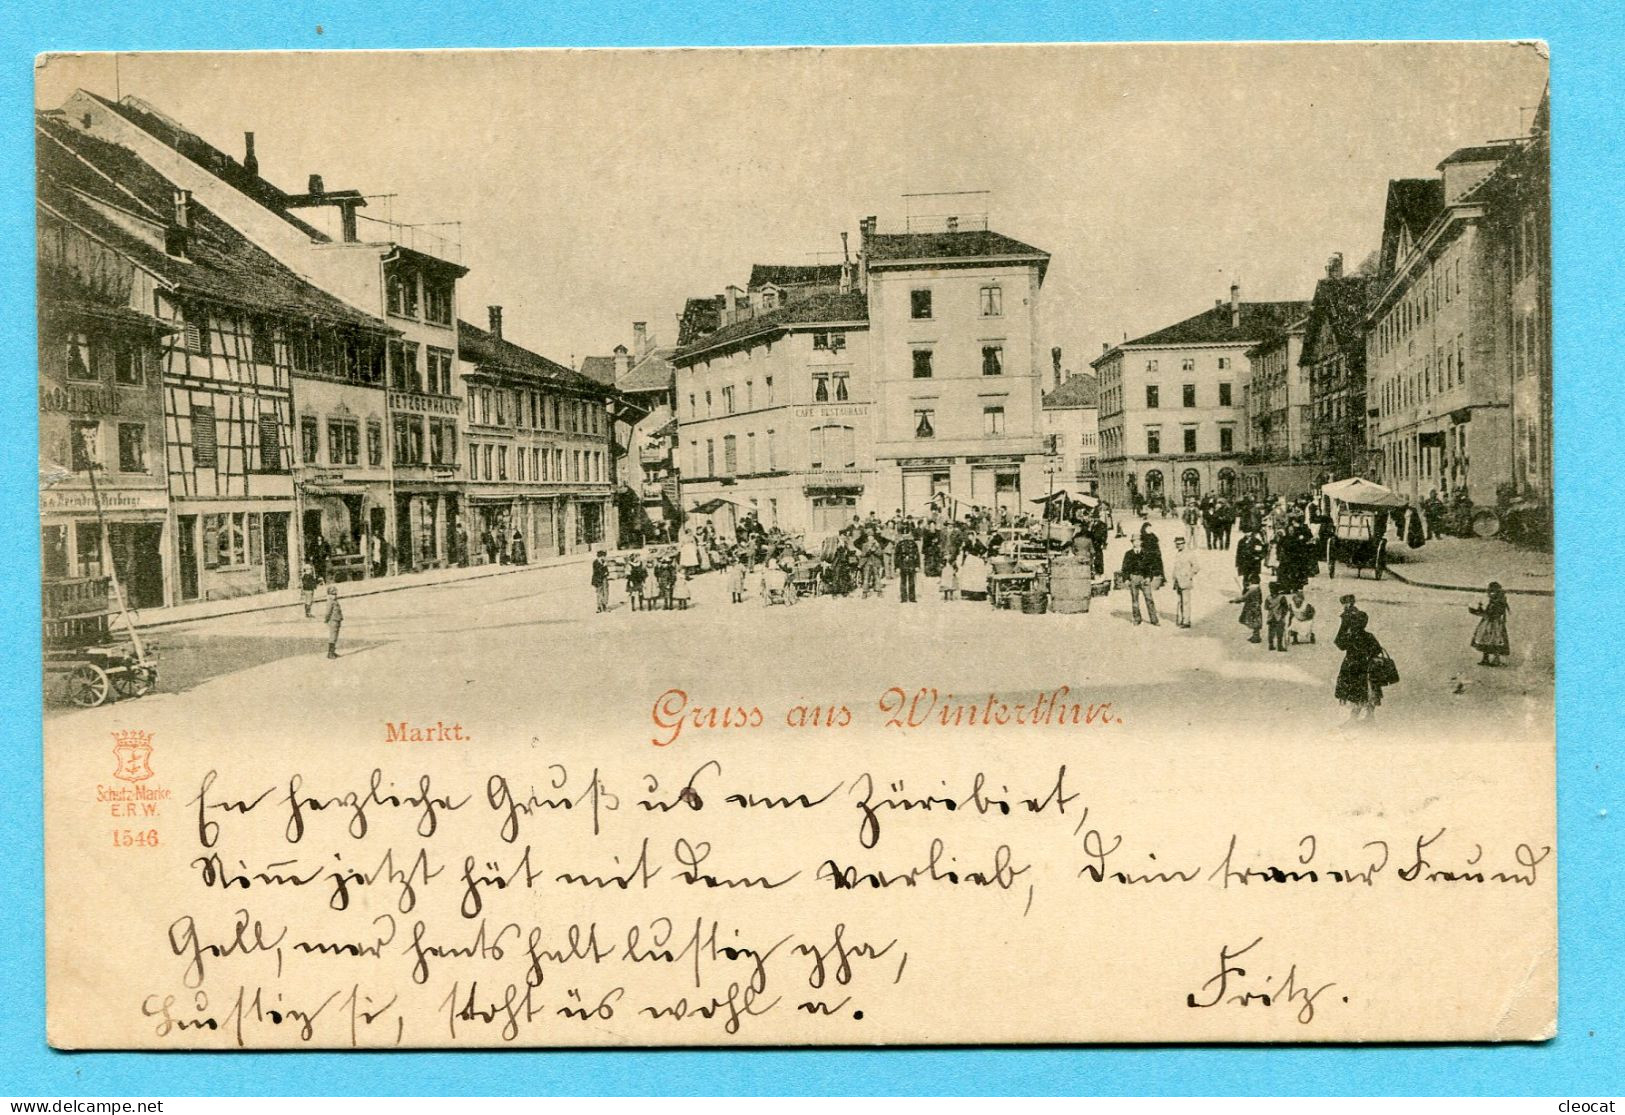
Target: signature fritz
(1231,986)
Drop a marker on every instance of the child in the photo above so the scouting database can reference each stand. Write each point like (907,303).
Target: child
(680,590)
(1491,639)
(307,586)
(334,620)
(636,574)
(1303,619)
(651,584)
(1252,607)
(1278,609)
(736,577)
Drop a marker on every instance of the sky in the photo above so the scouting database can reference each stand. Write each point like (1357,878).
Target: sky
(598,188)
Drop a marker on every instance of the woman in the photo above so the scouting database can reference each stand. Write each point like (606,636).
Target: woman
(1490,640)
(1361,677)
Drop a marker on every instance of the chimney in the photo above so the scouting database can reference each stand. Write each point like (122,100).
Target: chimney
(1334,266)
(953,224)
(347,226)
(1055,361)
(846,264)
(494,315)
(623,362)
(251,162)
(1105,347)
(1235,305)
(315,188)
(730,304)
(640,339)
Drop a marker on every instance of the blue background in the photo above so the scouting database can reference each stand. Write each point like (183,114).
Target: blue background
(1587,150)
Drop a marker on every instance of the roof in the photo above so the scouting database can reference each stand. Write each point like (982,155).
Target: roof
(1484,154)
(1339,303)
(1412,205)
(794,274)
(852,306)
(111,193)
(599,369)
(886,247)
(170,133)
(64,295)
(492,353)
(1079,391)
(652,373)
(1280,334)
(1258,320)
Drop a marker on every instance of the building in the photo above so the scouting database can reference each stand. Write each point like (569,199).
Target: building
(1277,459)
(1173,422)
(646,423)
(1072,422)
(404,274)
(241,324)
(1437,359)
(774,409)
(538,450)
(1334,357)
(101,412)
(953,348)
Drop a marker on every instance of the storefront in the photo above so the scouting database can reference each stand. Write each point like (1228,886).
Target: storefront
(344,524)
(230,548)
(426,526)
(71,542)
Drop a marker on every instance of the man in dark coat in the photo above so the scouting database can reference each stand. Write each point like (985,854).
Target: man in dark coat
(1250,554)
(1152,545)
(907,557)
(1143,574)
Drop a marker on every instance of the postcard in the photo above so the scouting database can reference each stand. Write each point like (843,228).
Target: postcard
(910,545)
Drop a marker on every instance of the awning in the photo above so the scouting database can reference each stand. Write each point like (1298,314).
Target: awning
(1362,493)
(707,507)
(1079,498)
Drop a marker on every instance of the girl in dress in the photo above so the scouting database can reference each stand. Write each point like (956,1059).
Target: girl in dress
(1252,608)
(680,589)
(736,578)
(1490,639)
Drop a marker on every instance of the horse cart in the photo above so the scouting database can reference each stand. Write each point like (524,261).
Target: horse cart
(1358,511)
(93,665)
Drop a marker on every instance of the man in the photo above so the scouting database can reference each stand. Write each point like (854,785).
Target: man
(600,580)
(1183,574)
(1250,554)
(1099,532)
(334,620)
(1142,575)
(907,556)
(869,561)
(1152,545)
(1190,517)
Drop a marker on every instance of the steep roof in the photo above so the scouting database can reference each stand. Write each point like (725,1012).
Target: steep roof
(599,369)
(966,246)
(1412,205)
(1079,391)
(1493,153)
(172,134)
(849,307)
(1339,304)
(113,194)
(493,353)
(794,274)
(652,373)
(1258,320)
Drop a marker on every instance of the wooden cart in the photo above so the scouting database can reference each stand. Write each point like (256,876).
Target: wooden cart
(93,665)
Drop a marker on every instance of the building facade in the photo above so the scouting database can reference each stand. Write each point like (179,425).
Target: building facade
(1278,459)
(1173,423)
(953,345)
(1072,422)
(1334,357)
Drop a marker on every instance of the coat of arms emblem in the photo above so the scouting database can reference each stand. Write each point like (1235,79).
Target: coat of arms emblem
(133,749)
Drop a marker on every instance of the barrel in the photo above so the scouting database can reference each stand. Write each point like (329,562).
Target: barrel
(1069,587)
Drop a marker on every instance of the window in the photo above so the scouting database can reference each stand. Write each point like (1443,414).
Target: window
(992,301)
(1153,441)
(54,551)
(710,457)
(694,458)
(992,360)
(403,366)
(1227,439)
(375,443)
(832,447)
(728,399)
(343,442)
(437,301)
(820,389)
(1190,439)
(772,451)
(750,395)
(270,442)
(85,449)
(925,423)
(922,363)
(1151,396)
(128,365)
(1224,363)
(750,453)
(79,362)
(1187,365)
(261,341)
(87,539)
(197,331)
(1187,395)
(693,408)
(232,539)
(1151,365)
(829,341)
(408,439)
(1224,394)
(992,421)
(708,404)
(919,304)
(841,393)
(502,462)
(730,455)
(439,381)
(205,438)
(309,440)
(401,290)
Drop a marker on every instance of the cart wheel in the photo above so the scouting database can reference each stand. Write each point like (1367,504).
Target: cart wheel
(88,685)
(137,681)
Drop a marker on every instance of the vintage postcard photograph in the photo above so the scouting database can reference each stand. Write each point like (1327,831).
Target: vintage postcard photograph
(780,547)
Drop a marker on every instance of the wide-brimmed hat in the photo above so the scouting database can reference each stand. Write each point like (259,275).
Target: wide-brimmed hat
(1346,598)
